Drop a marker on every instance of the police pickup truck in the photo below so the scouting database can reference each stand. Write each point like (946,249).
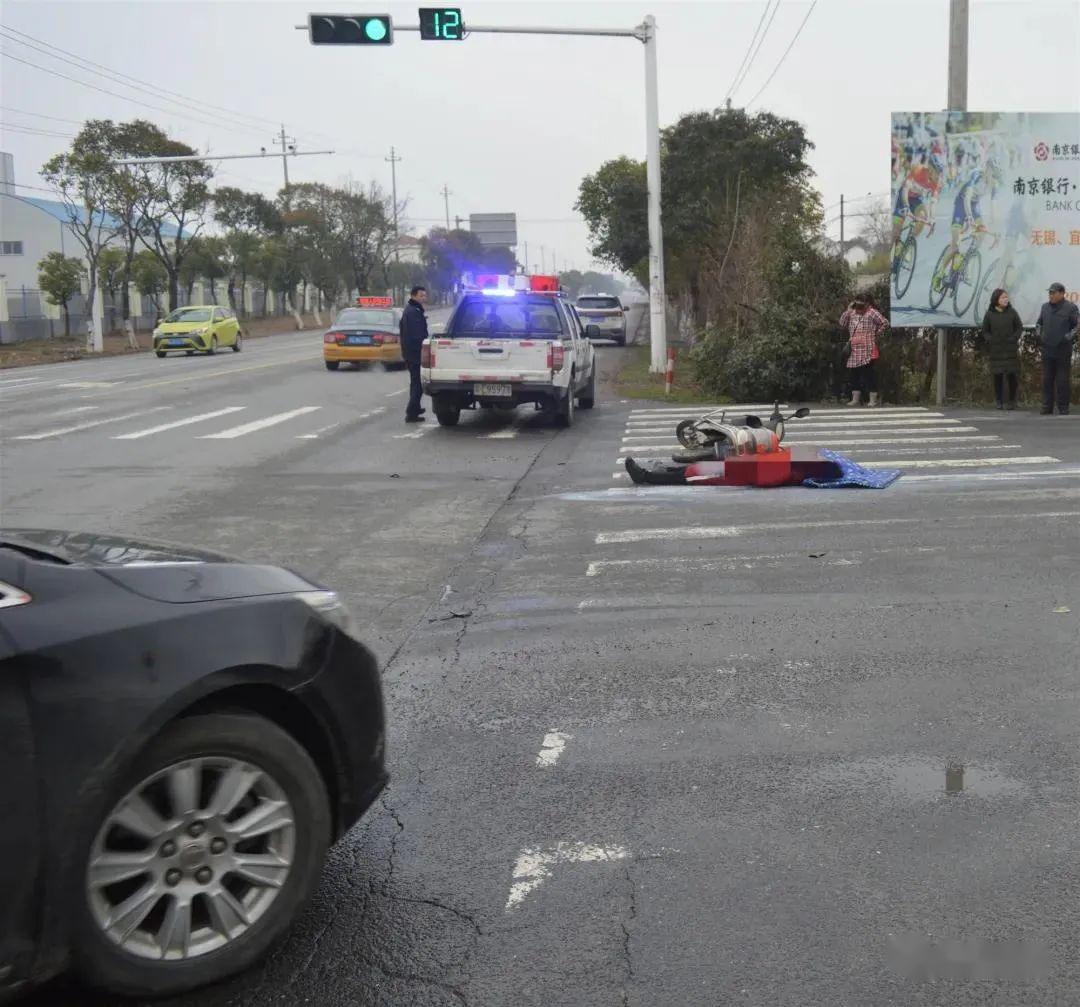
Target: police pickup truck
(507,345)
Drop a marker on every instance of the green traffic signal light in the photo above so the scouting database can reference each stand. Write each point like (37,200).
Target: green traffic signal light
(375,29)
(350,29)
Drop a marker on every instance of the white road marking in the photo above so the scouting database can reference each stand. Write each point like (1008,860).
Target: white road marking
(415,435)
(552,747)
(959,463)
(699,532)
(962,478)
(321,430)
(534,865)
(400,391)
(256,425)
(16,382)
(76,410)
(506,434)
(61,431)
(87,384)
(884,426)
(734,563)
(187,421)
(929,435)
(694,411)
(825,441)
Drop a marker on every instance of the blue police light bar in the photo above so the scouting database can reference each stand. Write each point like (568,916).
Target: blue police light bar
(350,29)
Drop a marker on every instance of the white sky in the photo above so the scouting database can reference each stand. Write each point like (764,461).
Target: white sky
(513,123)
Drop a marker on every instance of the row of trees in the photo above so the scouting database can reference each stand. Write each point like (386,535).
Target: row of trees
(742,251)
(148,225)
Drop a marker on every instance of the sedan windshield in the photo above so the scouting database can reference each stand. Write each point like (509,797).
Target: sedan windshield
(189,315)
(486,316)
(365,318)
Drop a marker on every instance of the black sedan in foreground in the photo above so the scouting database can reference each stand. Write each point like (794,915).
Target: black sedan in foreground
(182,737)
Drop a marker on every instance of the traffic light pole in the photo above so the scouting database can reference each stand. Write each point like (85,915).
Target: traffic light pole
(646,34)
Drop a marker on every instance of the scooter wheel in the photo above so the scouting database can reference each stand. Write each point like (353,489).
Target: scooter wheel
(688,435)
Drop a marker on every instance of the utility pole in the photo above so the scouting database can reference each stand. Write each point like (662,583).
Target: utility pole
(446,199)
(457,222)
(657,297)
(288,143)
(841,224)
(959,23)
(393,159)
(543,260)
(526,257)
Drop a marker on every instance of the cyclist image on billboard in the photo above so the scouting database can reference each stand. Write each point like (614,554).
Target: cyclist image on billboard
(981,201)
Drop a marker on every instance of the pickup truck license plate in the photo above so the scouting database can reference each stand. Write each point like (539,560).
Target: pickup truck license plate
(494,391)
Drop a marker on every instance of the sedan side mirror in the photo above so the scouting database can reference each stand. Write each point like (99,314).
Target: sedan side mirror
(592,331)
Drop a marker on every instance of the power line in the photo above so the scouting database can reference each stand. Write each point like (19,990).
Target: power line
(855,199)
(40,115)
(786,51)
(746,54)
(224,123)
(33,131)
(742,80)
(246,120)
(113,94)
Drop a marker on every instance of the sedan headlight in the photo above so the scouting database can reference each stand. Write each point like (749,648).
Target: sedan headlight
(329,605)
(157,333)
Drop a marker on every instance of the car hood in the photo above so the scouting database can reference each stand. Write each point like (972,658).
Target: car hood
(179,328)
(159,570)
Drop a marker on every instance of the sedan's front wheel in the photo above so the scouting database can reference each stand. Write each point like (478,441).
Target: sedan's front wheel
(205,851)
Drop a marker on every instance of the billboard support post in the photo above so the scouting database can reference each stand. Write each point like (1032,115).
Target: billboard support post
(957,102)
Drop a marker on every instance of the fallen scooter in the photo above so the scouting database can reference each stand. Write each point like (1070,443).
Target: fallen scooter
(716,452)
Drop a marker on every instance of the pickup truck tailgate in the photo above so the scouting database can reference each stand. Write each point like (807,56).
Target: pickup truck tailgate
(490,359)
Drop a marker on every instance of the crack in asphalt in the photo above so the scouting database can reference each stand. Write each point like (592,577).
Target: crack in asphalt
(626,939)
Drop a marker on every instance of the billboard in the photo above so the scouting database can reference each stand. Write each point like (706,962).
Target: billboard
(982,200)
(494,228)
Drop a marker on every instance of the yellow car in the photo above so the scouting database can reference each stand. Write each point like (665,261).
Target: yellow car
(364,336)
(198,330)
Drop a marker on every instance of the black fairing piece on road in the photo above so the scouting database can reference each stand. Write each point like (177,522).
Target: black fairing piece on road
(113,647)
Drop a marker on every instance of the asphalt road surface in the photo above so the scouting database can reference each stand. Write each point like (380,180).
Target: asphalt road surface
(649,745)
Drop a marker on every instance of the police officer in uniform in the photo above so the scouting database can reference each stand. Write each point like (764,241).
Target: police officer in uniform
(413,335)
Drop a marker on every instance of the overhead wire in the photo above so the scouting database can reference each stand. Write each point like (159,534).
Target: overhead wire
(247,120)
(742,80)
(791,44)
(753,39)
(40,115)
(33,131)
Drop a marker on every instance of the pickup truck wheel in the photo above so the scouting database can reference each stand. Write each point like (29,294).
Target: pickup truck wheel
(587,398)
(448,417)
(446,408)
(564,410)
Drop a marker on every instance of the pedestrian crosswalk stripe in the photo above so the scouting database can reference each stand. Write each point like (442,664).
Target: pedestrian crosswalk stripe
(186,422)
(959,463)
(78,427)
(705,532)
(695,411)
(255,425)
(825,441)
(884,423)
(958,434)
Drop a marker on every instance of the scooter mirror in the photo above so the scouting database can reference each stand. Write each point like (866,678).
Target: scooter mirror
(754,422)
(802,413)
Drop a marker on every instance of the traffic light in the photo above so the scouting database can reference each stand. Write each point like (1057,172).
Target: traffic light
(442,24)
(350,29)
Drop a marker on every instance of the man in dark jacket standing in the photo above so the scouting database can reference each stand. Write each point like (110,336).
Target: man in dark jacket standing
(1056,332)
(413,335)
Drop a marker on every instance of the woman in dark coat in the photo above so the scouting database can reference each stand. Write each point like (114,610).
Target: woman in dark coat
(1002,329)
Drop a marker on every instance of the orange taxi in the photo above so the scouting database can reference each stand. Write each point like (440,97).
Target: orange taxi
(365,334)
